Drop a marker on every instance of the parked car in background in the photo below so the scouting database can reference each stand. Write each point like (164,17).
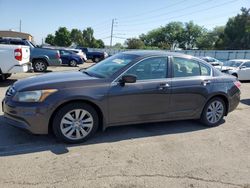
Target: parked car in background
(93,55)
(127,88)
(215,62)
(70,58)
(13,59)
(40,58)
(79,53)
(239,68)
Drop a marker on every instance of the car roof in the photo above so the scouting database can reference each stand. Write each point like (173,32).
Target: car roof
(240,60)
(146,53)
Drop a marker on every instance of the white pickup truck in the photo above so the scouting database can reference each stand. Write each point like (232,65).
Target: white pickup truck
(13,59)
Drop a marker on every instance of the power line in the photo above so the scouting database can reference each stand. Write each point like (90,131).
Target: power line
(154,10)
(191,13)
(164,14)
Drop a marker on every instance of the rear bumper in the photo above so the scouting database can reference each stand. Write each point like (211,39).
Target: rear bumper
(20,68)
(234,101)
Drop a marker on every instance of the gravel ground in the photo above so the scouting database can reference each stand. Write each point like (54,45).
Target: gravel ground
(172,154)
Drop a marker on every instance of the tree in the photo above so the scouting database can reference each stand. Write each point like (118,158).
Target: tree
(154,38)
(100,44)
(173,33)
(88,37)
(190,36)
(134,43)
(118,46)
(62,37)
(50,39)
(76,37)
(237,31)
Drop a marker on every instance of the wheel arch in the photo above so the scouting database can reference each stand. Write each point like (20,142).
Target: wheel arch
(223,97)
(40,58)
(95,106)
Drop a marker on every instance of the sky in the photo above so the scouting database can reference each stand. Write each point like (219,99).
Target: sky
(132,17)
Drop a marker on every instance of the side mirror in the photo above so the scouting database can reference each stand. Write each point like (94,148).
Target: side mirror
(243,67)
(127,79)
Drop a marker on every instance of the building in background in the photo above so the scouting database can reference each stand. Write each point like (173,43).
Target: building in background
(16,34)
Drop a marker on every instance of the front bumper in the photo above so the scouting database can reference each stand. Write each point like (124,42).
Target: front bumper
(31,117)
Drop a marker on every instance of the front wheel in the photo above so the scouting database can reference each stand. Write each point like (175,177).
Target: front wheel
(213,112)
(75,122)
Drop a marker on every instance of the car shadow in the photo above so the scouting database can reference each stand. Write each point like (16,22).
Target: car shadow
(14,141)
(245,101)
(6,83)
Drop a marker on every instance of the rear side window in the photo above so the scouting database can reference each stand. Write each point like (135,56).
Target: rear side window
(205,70)
(184,67)
(2,41)
(16,42)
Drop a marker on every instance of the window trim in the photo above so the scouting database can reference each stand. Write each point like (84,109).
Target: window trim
(116,80)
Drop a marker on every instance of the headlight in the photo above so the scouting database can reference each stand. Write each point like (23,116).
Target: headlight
(33,96)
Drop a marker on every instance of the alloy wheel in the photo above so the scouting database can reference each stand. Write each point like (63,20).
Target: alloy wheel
(76,124)
(215,112)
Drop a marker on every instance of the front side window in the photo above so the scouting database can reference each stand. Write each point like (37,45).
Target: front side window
(148,69)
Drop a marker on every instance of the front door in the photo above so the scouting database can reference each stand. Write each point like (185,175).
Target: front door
(147,99)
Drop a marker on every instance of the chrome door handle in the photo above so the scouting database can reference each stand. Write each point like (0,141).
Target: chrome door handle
(164,86)
(206,82)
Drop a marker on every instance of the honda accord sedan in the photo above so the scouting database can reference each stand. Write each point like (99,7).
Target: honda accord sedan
(128,88)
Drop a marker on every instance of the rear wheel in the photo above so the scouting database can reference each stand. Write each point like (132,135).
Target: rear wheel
(4,76)
(72,63)
(213,112)
(96,59)
(75,122)
(39,65)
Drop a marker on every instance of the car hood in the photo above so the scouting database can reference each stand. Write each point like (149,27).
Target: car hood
(55,80)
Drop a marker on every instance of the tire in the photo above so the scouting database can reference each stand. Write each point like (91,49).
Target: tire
(213,118)
(72,63)
(3,77)
(39,65)
(71,129)
(96,59)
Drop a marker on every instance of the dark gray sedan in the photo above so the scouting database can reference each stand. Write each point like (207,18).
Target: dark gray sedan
(127,88)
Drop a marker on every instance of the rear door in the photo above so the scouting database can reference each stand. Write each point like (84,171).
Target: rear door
(147,99)
(190,86)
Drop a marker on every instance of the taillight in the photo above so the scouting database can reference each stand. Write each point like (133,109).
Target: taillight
(18,54)
(237,84)
(58,55)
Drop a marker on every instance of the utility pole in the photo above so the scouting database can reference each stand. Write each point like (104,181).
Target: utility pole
(20,26)
(112,29)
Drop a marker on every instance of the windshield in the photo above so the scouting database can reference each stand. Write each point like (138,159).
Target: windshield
(109,66)
(233,63)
